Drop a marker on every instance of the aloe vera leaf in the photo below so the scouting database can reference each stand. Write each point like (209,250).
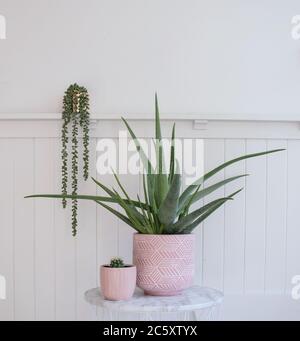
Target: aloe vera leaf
(168,209)
(130,210)
(79,197)
(120,216)
(204,192)
(146,162)
(149,212)
(208,175)
(206,214)
(187,220)
(161,183)
(112,194)
(172,156)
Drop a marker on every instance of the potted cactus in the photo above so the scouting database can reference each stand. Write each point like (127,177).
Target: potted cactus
(117,280)
(164,245)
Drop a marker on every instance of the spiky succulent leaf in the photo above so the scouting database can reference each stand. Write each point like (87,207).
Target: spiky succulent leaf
(204,192)
(168,209)
(172,156)
(80,197)
(145,160)
(208,175)
(117,263)
(207,213)
(187,220)
(161,179)
(119,215)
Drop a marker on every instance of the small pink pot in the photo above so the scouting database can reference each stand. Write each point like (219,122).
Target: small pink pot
(165,263)
(117,284)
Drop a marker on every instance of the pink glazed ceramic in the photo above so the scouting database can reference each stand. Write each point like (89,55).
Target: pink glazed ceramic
(117,283)
(165,263)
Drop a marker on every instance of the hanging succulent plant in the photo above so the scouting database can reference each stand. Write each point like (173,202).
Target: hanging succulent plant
(165,208)
(75,114)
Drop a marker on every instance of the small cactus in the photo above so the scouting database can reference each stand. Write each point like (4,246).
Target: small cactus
(117,263)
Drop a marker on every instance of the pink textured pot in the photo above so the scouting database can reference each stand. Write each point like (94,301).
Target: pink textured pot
(117,283)
(165,263)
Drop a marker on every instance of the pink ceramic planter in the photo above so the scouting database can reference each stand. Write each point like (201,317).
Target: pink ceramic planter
(117,284)
(165,263)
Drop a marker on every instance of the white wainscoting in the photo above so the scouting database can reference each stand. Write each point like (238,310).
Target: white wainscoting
(249,248)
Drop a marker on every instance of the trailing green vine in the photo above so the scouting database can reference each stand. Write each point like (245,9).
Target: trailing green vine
(75,113)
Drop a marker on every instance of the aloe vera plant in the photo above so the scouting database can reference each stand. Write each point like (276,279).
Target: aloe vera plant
(165,209)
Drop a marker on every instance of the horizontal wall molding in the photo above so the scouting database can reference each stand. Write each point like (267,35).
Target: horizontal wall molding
(168,116)
(191,126)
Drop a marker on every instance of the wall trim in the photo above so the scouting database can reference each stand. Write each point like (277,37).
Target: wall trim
(190,125)
(167,116)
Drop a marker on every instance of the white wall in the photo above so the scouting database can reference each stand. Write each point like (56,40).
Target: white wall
(249,248)
(210,56)
(232,56)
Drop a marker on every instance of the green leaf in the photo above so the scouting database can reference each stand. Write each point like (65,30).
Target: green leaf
(172,156)
(132,213)
(207,213)
(126,205)
(161,181)
(160,189)
(146,162)
(120,216)
(106,189)
(168,209)
(204,192)
(69,196)
(208,175)
(188,204)
(157,120)
(151,189)
(81,197)
(148,209)
(181,224)
(147,219)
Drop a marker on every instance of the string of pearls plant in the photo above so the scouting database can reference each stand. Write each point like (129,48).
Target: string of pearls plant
(75,114)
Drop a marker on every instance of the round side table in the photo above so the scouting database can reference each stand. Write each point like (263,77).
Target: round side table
(194,304)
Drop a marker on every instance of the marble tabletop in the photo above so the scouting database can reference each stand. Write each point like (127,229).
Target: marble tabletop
(194,298)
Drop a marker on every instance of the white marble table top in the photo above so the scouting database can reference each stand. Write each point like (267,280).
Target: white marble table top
(194,298)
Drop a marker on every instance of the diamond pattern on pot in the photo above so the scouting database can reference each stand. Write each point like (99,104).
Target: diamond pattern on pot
(164,262)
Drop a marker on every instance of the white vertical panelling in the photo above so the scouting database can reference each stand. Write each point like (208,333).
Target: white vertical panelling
(251,243)
(234,237)
(107,227)
(65,251)
(293,225)
(276,218)
(131,184)
(107,224)
(213,236)
(24,229)
(125,235)
(255,235)
(198,231)
(44,231)
(86,241)
(7,227)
